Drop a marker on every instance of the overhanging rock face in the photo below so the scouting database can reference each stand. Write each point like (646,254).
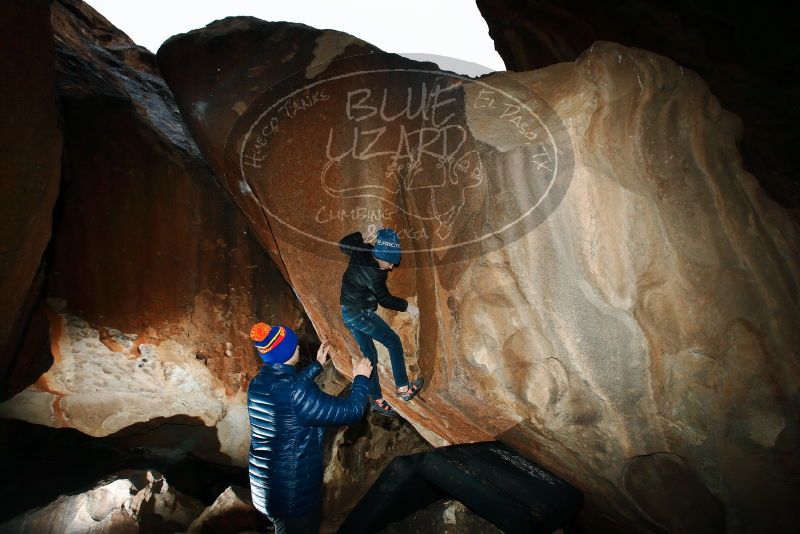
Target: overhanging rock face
(648,307)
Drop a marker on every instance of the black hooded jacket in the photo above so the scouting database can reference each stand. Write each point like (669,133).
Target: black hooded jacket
(364,282)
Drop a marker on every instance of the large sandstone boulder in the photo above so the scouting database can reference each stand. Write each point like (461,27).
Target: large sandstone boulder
(601,284)
(154,277)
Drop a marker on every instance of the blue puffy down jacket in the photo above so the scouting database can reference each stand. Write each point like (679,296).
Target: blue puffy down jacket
(287,414)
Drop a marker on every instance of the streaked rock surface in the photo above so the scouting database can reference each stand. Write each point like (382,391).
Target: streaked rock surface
(653,310)
(30,175)
(153,277)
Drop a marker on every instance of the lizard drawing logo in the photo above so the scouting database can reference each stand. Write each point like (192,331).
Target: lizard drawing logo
(455,164)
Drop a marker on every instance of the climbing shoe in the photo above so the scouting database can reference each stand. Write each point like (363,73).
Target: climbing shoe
(413,388)
(383,408)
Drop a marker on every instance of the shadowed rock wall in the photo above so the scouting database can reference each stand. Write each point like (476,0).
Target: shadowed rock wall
(153,278)
(746,52)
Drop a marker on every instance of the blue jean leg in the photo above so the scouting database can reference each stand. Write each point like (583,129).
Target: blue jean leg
(366,326)
(368,350)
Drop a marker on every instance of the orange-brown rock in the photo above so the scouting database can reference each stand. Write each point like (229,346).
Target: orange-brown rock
(30,171)
(635,331)
(154,277)
(147,239)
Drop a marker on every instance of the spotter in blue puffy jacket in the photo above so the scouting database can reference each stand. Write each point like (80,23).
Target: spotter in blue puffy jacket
(287,414)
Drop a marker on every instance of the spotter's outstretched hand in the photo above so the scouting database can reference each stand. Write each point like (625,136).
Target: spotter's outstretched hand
(322,352)
(362,368)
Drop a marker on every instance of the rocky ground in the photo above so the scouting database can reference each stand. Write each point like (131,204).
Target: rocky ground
(141,501)
(444,517)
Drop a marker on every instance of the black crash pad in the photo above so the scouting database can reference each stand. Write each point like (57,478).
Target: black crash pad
(511,491)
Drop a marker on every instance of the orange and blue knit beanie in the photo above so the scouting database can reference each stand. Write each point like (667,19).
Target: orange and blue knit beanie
(275,344)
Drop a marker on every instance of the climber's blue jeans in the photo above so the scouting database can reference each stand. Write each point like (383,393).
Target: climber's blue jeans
(366,326)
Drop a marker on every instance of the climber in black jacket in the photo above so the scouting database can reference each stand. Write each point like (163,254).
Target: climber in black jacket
(287,414)
(363,289)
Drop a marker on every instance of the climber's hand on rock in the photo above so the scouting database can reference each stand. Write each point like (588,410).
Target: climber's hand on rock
(362,368)
(413,310)
(370,234)
(322,352)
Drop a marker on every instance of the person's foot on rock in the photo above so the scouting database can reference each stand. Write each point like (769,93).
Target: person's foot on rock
(382,407)
(413,388)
